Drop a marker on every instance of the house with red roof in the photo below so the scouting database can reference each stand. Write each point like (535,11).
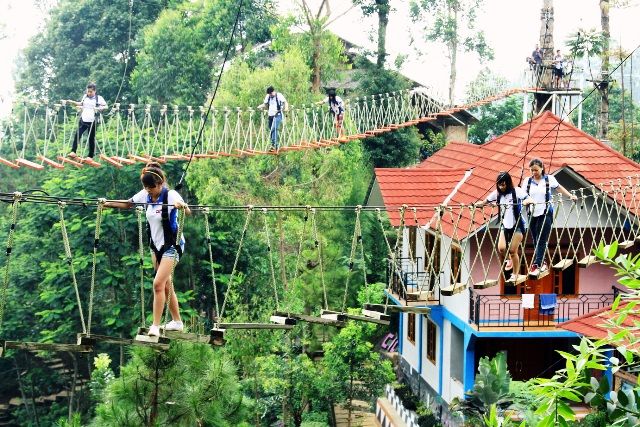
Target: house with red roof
(448,260)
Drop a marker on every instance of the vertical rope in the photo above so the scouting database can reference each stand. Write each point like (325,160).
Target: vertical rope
(270,252)
(139,213)
(354,242)
(318,246)
(213,273)
(96,244)
(12,229)
(69,260)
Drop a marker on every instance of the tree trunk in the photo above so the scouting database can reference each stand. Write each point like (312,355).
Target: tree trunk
(350,404)
(383,20)
(603,87)
(154,396)
(624,122)
(315,61)
(546,30)
(453,58)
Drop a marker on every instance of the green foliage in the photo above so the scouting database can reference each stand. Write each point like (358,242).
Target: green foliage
(585,43)
(84,41)
(188,385)
(180,52)
(352,370)
(495,119)
(101,376)
(490,393)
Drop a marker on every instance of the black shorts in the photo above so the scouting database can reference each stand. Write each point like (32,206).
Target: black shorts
(557,72)
(509,232)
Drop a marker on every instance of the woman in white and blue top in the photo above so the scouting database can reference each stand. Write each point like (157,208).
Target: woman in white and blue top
(540,186)
(161,206)
(513,220)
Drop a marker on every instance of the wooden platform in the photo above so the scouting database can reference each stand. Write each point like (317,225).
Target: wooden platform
(397,308)
(419,296)
(563,264)
(157,343)
(519,278)
(356,317)
(486,284)
(39,346)
(312,319)
(282,320)
(539,276)
(587,261)
(253,326)
(456,288)
(180,336)
(626,244)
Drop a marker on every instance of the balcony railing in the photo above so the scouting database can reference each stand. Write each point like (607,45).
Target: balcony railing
(505,311)
(407,277)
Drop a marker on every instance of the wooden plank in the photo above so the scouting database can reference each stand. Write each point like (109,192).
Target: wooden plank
(453,289)
(50,162)
(8,163)
(312,319)
(518,278)
(111,161)
(282,320)
(626,244)
(157,343)
(70,161)
(123,160)
(359,318)
(397,308)
(180,336)
(85,339)
(539,276)
(89,161)
(376,315)
(563,264)
(29,164)
(333,315)
(486,284)
(139,158)
(418,296)
(253,326)
(587,261)
(40,346)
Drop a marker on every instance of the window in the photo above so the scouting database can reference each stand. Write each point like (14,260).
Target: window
(431,341)
(412,243)
(456,260)
(432,257)
(411,327)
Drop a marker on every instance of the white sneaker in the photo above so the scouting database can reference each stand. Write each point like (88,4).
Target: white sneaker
(154,330)
(511,279)
(174,325)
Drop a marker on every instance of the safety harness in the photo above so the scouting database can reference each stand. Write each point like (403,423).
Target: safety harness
(170,234)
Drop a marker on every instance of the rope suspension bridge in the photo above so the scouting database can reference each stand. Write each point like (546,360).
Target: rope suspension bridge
(139,133)
(461,254)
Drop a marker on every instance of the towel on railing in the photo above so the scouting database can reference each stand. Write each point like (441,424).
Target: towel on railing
(548,303)
(527,300)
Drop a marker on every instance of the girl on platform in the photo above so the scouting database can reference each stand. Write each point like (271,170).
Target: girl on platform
(161,206)
(510,201)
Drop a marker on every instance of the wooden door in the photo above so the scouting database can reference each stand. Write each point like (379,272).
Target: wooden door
(543,285)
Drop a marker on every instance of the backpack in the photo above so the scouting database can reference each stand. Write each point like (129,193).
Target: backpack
(170,235)
(517,209)
(98,117)
(547,193)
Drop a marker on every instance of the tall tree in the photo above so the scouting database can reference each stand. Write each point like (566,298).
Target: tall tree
(452,22)
(381,8)
(603,86)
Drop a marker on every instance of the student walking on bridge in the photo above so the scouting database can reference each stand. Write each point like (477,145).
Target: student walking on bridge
(161,206)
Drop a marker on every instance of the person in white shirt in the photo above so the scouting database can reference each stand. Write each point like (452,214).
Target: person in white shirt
(539,187)
(558,68)
(513,218)
(161,206)
(90,103)
(276,105)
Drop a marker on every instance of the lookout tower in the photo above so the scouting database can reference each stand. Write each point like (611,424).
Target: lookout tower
(555,81)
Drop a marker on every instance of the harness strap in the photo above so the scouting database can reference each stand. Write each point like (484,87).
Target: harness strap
(170,235)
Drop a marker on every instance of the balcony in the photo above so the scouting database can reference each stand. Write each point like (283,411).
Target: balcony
(410,285)
(505,312)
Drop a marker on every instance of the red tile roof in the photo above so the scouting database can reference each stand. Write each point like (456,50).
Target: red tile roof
(420,188)
(594,324)
(559,144)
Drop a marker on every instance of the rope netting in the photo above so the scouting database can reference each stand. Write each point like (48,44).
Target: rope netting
(461,246)
(129,133)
